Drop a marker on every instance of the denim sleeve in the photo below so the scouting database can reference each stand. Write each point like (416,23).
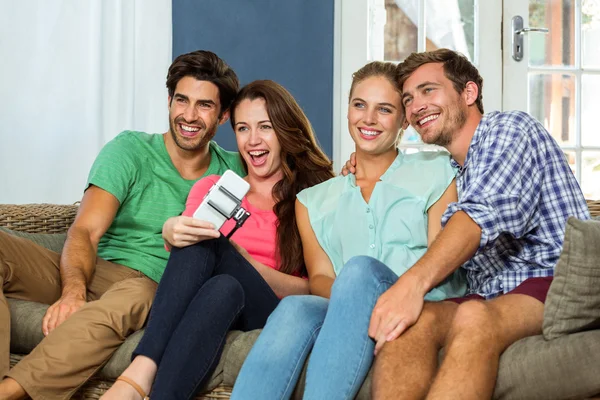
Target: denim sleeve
(503,183)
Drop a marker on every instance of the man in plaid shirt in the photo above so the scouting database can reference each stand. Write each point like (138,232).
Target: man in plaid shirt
(515,191)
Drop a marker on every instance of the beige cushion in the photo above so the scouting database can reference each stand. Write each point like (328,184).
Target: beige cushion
(26,325)
(537,369)
(573,303)
(53,241)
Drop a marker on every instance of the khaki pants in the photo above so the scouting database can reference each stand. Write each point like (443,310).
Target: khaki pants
(119,300)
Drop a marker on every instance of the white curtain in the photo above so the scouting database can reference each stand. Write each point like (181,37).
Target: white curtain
(73,74)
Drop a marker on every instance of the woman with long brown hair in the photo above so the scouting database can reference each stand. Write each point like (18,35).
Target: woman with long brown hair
(211,284)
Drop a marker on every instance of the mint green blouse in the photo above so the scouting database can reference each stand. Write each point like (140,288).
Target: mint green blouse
(392,226)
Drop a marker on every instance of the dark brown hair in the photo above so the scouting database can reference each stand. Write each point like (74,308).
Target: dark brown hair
(205,65)
(376,68)
(457,68)
(302,161)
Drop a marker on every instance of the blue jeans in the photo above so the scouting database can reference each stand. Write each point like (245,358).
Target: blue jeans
(207,289)
(335,330)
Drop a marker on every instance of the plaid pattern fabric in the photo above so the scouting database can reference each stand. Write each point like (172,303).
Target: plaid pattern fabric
(517,186)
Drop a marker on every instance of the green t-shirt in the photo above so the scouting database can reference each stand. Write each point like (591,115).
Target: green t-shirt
(136,168)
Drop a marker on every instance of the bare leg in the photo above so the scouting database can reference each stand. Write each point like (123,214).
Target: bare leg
(480,332)
(405,367)
(11,390)
(142,371)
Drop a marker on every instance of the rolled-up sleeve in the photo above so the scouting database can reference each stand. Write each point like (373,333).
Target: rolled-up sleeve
(499,187)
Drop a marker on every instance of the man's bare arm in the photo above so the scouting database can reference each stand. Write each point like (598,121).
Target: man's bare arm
(455,245)
(78,260)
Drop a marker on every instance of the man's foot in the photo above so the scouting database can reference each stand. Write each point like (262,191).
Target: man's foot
(126,389)
(11,390)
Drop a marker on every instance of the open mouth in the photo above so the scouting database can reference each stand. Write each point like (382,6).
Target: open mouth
(369,134)
(428,120)
(258,157)
(187,130)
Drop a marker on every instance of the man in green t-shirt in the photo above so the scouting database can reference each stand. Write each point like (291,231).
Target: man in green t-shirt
(102,285)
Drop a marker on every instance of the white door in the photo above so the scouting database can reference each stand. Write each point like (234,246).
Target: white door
(557,78)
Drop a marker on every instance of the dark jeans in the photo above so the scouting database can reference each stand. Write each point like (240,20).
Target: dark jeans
(207,290)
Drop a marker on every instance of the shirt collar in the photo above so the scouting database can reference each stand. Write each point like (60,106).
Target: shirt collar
(477,136)
(391,169)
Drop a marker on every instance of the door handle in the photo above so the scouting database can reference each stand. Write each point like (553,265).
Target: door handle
(525,30)
(518,31)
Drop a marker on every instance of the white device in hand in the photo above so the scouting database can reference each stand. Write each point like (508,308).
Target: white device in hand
(223,201)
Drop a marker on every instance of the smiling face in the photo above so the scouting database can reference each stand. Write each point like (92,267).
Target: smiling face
(433,106)
(257,140)
(194,113)
(375,116)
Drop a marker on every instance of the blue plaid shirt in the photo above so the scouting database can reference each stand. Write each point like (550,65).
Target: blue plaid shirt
(517,186)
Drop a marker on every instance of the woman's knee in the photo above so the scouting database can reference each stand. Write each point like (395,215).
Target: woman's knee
(224,288)
(300,310)
(360,272)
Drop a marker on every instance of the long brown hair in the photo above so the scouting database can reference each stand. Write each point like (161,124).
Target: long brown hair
(302,161)
(457,68)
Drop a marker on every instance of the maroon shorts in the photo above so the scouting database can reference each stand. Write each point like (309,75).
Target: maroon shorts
(533,287)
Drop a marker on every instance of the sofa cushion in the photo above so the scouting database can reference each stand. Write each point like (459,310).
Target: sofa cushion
(51,241)
(573,303)
(26,325)
(567,367)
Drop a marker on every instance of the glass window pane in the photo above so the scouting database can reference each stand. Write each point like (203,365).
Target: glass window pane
(558,46)
(590,29)
(590,105)
(590,174)
(552,102)
(400,33)
(450,24)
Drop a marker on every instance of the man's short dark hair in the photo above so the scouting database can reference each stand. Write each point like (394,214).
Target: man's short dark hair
(457,68)
(205,65)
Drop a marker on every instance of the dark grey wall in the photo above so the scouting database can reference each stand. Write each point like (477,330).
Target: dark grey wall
(288,41)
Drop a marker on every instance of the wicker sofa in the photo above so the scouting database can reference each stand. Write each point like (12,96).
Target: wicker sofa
(532,368)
